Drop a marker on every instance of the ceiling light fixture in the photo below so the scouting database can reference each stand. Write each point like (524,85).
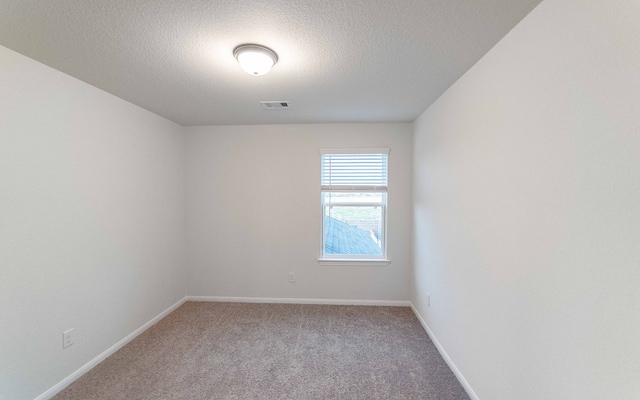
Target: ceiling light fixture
(255,59)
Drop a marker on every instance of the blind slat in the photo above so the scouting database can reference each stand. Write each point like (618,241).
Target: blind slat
(354,170)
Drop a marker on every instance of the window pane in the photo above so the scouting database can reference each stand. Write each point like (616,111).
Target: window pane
(353,229)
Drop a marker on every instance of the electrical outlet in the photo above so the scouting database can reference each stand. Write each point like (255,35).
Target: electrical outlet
(292,277)
(67,338)
(428,300)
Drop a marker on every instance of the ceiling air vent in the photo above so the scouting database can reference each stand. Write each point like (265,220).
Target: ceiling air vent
(275,105)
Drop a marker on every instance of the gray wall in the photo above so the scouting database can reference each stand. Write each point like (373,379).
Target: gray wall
(253,212)
(526,203)
(91,222)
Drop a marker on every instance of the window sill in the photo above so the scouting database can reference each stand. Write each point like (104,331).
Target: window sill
(353,262)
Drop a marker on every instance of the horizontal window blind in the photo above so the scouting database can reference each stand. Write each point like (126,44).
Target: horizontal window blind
(354,171)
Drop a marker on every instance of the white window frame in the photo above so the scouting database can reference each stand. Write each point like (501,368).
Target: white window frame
(355,259)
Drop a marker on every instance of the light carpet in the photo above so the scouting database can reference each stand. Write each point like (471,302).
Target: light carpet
(275,351)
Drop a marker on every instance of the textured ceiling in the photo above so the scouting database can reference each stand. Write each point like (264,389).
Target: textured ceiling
(340,61)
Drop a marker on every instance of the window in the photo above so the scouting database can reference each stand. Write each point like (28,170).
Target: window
(354,205)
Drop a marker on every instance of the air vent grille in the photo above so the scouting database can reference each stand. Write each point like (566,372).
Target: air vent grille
(275,105)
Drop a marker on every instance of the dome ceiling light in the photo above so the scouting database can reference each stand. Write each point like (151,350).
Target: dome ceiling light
(255,59)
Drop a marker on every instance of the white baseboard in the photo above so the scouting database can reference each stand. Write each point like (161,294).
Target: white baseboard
(85,368)
(394,303)
(445,356)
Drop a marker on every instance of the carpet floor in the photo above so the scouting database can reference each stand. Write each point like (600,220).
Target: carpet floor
(275,351)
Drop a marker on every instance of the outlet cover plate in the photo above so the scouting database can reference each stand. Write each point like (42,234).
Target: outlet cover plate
(67,338)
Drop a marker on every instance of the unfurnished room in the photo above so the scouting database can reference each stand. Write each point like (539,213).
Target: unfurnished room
(310,200)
